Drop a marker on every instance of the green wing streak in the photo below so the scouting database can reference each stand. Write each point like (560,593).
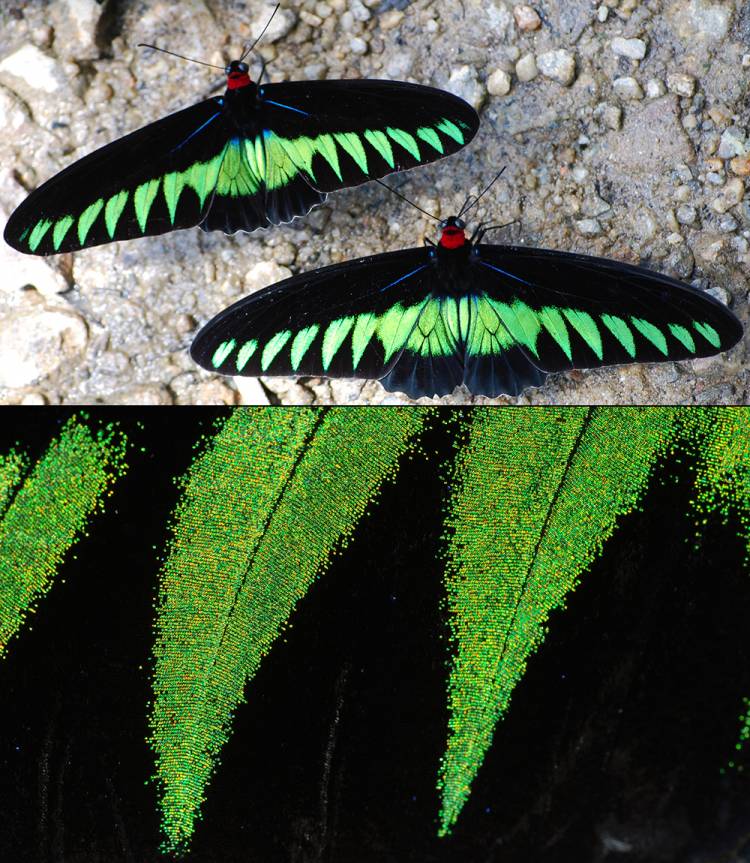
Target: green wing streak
(536,494)
(264,509)
(242,168)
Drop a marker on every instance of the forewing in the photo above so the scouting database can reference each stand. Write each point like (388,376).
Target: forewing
(343,133)
(154,180)
(348,320)
(568,311)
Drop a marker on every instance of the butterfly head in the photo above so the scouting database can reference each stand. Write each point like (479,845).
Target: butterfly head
(237,75)
(452,233)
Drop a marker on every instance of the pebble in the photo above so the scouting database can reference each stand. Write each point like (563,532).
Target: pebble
(727,223)
(526,69)
(733,142)
(35,68)
(686,214)
(463,82)
(81,20)
(655,88)
(732,193)
(608,115)
(559,65)
(634,49)
(681,84)
(216,392)
(719,293)
(148,394)
(498,84)
(358,46)
(602,13)
(589,227)
(264,273)
(388,20)
(250,391)
(526,17)
(627,88)
(33,398)
(400,64)
(36,342)
(711,20)
(282,23)
(740,165)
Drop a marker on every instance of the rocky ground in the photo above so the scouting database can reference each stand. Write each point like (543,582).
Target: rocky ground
(623,127)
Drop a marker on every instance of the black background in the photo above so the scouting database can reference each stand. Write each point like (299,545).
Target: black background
(612,748)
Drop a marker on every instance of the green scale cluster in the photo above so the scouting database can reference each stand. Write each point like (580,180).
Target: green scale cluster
(264,508)
(537,493)
(721,439)
(43,513)
(242,167)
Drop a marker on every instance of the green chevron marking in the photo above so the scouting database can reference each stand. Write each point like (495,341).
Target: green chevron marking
(113,210)
(621,331)
(430,336)
(202,177)
(585,326)
(431,137)
(87,219)
(396,325)
(301,344)
(363,332)
(350,142)
(652,333)
(245,352)
(275,344)
(407,141)
(61,229)
(488,333)
(222,352)
(457,318)
(708,333)
(143,199)
(553,322)
(449,128)
(300,150)
(379,141)
(520,321)
(333,338)
(37,235)
(238,175)
(174,183)
(682,335)
(326,146)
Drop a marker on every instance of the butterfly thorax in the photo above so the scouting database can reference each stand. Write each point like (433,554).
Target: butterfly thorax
(238,76)
(451,256)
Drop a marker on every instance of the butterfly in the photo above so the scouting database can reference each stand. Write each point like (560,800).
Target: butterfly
(494,318)
(257,156)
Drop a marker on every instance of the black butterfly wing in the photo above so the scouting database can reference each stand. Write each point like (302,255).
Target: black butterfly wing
(554,311)
(375,317)
(156,179)
(343,133)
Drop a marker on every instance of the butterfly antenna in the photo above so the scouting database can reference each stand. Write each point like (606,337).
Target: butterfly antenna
(465,206)
(483,193)
(181,56)
(404,198)
(268,24)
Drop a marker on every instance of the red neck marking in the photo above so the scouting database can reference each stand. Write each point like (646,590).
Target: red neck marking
(452,237)
(235,80)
